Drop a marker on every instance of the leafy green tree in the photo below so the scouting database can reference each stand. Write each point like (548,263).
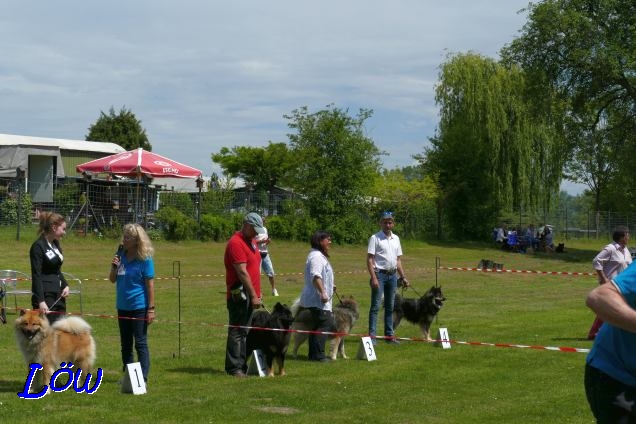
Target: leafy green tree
(121,128)
(484,156)
(410,195)
(335,163)
(262,167)
(584,51)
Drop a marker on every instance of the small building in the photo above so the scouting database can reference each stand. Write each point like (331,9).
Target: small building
(45,160)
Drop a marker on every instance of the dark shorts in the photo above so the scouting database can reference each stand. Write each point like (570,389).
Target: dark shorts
(610,400)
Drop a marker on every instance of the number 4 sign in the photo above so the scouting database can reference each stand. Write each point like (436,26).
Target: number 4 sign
(366,350)
(133,380)
(442,338)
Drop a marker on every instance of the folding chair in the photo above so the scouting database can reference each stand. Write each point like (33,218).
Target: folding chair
(13,282)
(75,286)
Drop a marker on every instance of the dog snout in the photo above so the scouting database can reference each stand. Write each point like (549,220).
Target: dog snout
(29,333)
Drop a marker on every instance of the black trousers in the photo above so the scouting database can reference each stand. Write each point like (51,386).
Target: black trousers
(611,401)
(321,321)
(240,314)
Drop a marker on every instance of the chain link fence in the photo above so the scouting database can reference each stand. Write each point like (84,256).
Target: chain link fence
(103,206)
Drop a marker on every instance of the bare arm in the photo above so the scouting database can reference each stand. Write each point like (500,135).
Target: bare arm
(400,271)
(320,287)
(610,306)
(150,288)
(371,269)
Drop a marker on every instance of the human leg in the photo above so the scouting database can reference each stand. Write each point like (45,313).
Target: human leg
(140,335)
(236,348)
(268,269)
(322,321)
(125,337)
(376,300)
(389,286)
(610,400)
(596,325)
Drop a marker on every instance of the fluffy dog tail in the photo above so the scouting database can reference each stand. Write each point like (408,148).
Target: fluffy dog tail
(73,325)
(295,307)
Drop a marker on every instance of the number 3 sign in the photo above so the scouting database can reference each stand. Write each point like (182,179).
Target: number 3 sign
(365,349)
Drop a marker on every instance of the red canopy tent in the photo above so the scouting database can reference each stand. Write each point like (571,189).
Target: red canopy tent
(137,164)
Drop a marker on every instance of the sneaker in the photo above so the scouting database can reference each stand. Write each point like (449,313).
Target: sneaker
(393,341)
(239,374)
(274,292)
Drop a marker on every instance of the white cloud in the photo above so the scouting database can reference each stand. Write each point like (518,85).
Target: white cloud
(202,74)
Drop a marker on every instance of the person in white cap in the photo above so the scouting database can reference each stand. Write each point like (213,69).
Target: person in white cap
(266,260)
(243,281)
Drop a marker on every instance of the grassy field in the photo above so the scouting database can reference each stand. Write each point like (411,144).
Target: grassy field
(414,382)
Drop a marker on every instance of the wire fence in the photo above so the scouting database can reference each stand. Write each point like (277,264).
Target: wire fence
(103,205)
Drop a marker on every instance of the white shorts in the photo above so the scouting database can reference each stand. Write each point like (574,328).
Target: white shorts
(266,266)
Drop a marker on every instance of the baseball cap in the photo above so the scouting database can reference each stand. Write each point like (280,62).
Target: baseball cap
(255,221)
(386,215)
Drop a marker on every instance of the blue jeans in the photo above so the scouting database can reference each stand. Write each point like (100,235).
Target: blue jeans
(387,286)
(134,326)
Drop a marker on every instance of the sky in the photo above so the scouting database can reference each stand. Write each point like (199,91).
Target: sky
(205,74)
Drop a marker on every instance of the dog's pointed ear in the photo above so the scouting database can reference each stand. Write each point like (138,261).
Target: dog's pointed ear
(22,311)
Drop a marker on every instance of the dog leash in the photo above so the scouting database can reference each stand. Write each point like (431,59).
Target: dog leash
(337,295)
(403,287)
(55,303)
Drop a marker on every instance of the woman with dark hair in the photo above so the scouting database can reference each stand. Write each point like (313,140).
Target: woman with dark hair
(48,285)
(317,293)
(608,263)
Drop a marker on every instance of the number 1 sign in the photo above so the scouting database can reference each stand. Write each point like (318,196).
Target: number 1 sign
(134,380)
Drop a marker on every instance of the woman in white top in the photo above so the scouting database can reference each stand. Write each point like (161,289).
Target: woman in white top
(317,293)
(609,262)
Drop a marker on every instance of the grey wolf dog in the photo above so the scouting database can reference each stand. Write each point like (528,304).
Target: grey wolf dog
(273,344)
(345,314)
(420,311)
(67,340)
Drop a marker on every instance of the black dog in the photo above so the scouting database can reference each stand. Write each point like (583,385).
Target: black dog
(273,344)
(420,311)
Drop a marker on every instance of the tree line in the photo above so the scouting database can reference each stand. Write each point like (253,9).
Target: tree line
(558,105)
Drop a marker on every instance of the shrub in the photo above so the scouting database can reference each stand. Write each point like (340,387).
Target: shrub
(215,228)
(9,210)
(175,225)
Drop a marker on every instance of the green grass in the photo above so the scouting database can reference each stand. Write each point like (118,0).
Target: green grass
(414,382)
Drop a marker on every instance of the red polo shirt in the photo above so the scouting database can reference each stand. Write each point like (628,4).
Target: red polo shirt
(237,251)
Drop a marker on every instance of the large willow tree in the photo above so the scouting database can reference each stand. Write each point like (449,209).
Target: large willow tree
(586,51)
(490,155)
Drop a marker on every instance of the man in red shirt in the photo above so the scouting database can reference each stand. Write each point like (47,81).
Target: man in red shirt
(243,282)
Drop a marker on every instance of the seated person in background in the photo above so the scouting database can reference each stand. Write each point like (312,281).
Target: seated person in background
(502,235)
(531,237)
(513,243)
(547,237)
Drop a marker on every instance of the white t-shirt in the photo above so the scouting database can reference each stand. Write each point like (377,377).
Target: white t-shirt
(386,250)
(317,265)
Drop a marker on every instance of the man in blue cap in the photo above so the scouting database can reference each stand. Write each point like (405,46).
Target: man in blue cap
(384,264)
